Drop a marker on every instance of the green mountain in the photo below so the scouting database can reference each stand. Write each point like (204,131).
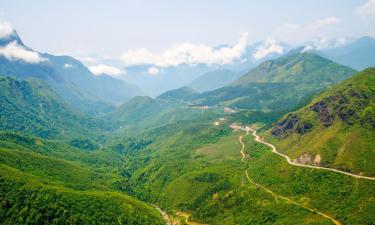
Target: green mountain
(337,129)
(213,80)
(32,107)
(297,76)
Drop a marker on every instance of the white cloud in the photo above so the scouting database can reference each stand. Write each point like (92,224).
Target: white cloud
(269,47)
(5,29)
(153,71)
(67,65)
(104,69)
(186,53)
(324,22)
(367,9)
(13,51)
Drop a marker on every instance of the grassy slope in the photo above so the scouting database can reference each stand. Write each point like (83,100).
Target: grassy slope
(348,141)
(196,168)
(347,199)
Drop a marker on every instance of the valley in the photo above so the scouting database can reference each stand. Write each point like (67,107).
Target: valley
(265,131)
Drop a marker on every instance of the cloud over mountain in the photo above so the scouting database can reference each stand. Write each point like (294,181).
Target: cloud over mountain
(104,69)
(186,53)
(5,29)
(269,47)
(13,51)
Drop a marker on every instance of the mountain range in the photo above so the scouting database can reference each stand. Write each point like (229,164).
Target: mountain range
(278,138)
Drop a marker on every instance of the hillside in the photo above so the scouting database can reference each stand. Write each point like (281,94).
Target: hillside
(47,182)
(298,76)
(213,80)
(32,107)
(194,166)
(336,129)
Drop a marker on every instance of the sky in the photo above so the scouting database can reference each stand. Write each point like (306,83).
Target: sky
(156,30)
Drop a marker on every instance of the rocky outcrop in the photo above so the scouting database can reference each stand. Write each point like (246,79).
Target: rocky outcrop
(308,159)
(323,112)
(292,123)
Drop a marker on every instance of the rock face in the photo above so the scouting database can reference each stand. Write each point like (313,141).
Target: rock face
(290,124)
(308,159)
(324,115)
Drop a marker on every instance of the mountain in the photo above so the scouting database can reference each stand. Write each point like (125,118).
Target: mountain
(358,54)
(32,107)
(183,94)
(162,79)
(337,129)
(67,77)
(213,80)
(103,87)
(297,76)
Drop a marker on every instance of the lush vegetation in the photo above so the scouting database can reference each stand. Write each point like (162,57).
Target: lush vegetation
(32,107)
(196,168)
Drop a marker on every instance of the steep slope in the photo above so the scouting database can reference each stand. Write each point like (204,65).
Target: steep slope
(102,87)
(213,80)
(358,54)
(337,129)
(297,76)
(34,108)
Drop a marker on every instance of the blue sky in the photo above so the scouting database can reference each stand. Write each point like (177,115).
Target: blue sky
(110,28)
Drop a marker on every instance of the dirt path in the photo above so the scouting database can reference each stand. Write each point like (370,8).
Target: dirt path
(164,214)
(257,138)
(186,216)
(277,196)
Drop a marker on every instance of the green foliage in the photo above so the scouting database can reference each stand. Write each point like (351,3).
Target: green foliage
(24,200)
(32,107)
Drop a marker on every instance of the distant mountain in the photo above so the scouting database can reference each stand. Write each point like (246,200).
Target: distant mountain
(168,78)
(297,68)
(213,80)
(337,129)
(180,94)
(278,84)
(358,54)
(67,76)
(102,87)
(138,108)
(32,107)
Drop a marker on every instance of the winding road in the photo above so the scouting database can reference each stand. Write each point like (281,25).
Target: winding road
(164,214)
(257,138)
(277,196)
